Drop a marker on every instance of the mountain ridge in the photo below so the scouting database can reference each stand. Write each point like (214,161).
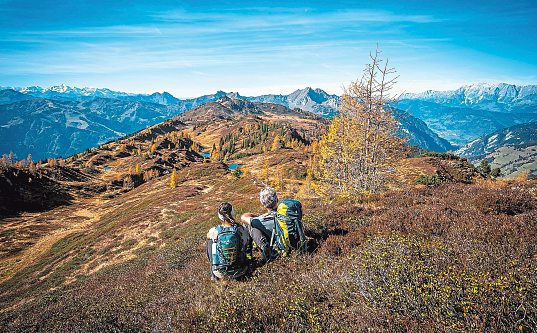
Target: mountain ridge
(500,97)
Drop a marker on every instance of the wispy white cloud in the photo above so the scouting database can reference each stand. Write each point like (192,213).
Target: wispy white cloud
(176,23)
(266,17)
(245,47)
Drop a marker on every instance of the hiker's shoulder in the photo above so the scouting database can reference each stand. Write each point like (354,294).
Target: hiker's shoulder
(213,233)
(271,214)
(265,217)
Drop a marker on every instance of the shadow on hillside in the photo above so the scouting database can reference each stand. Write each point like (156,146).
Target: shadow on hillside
(315,237)
(23,192)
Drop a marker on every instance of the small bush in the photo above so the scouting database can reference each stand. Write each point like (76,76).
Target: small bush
(433,180)
(442,156)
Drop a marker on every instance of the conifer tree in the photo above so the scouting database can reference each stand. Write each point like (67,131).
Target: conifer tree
(496,172)
(275,143)
(484,168)
(173,179)
(359,152)
(278,182)
(215,153)
(32,168)
(128,182)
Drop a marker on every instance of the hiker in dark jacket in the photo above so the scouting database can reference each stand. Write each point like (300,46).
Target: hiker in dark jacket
(261,226)
(228,246)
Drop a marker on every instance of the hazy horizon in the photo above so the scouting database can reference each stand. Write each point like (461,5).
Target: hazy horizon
(190,49)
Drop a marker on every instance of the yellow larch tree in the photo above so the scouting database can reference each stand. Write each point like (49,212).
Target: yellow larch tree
(173,179)
(358,153)
(276,144)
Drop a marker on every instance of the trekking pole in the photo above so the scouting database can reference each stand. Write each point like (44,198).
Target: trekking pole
(272,242)
(272,237)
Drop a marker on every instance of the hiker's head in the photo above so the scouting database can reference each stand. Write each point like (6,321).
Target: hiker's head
(226,213)
(268,198)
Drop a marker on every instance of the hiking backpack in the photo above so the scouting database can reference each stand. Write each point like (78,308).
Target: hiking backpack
(228,252)
(288,233)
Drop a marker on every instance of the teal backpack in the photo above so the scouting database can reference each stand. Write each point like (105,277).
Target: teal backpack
(228,253)
(288,233)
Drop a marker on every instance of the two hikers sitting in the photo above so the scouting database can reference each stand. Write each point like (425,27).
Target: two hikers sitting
(276,233)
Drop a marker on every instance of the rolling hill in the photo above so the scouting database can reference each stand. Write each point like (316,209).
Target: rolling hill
(416,130)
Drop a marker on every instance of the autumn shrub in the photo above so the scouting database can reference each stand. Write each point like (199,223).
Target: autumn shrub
(507,201)
(442,156)
(432,180)
(423,281)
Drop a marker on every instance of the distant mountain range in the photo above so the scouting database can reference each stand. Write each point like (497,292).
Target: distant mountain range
(511,149)
(51,128)
(8,96)
(501,97)
(470,112)
(458,116)
(63,92)
(313,100)
(46,127)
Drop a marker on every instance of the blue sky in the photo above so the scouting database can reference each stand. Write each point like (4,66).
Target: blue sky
(191,48)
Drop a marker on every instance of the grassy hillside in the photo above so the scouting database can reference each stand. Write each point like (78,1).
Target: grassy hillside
(130,257)
(457,256)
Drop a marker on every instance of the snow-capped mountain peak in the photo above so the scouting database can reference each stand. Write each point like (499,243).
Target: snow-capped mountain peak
(499,97)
